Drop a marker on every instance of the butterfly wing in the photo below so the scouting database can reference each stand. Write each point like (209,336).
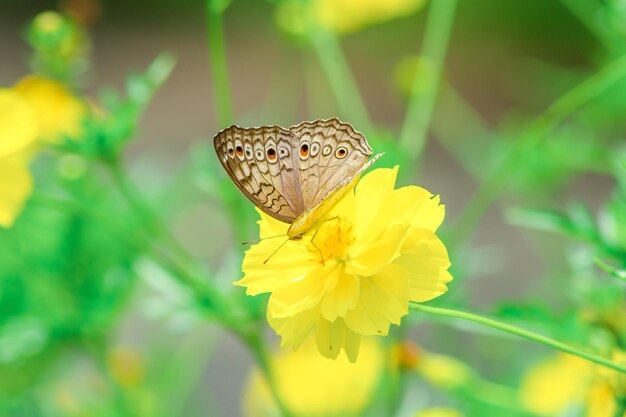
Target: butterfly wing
(329,153)
(307,220)
(261,163)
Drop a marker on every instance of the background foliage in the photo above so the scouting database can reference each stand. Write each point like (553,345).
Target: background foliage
(115,281)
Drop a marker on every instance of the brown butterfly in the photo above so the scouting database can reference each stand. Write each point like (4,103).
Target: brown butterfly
(298,174)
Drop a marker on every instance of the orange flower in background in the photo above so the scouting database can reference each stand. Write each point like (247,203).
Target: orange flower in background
(355,275)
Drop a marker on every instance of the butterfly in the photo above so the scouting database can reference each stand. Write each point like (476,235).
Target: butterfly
(295,174)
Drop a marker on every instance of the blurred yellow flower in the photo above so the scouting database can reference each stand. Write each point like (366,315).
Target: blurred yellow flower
(342,16)
(565,382)
(555,384)
(355,275)
(34,109)
(126,366)
(59,112)
(310,385)
(18,130)
(443,371)
(439,412)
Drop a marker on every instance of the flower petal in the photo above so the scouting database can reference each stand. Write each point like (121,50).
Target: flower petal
(425,258)
(270,227)
(341,297)
(295,329)
(302,294)
(370,258)
(418,207)
(290,262)
(332,336)
(384,299)
(58,111)
(373,190)
(16,184)
(18,123)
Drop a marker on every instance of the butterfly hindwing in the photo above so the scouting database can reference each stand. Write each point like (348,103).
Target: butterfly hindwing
(329,152)
(261,163)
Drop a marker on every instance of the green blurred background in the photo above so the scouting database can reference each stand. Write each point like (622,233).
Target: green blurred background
(506,63)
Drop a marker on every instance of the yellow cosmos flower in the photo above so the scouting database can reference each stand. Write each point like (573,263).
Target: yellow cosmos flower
(356,273)
(352,15)
(342,16)
(565,382)
(439,412)
(554,384)
(59,112)
(35,109)
(18,130)
(319,387)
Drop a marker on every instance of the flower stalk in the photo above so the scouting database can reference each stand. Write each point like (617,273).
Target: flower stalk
(219,66)
(420,108)
(517,331)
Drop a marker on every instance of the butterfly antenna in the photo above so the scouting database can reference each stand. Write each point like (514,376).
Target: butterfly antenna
(249,242)
(274,253)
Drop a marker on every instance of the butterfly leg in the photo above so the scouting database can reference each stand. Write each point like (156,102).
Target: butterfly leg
(315,246)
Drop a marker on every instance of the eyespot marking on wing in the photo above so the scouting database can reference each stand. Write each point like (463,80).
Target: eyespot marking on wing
(304,150)
(315,148)
(341,152)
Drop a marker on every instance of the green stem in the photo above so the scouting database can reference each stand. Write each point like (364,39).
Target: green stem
(526,334)
(620,407)
(254,342)
(219,66)
(182,265)
(335,65)
(420,108)
(567,104)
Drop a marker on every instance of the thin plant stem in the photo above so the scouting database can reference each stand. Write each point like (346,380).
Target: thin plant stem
(420,107)
(567,104)
(342,83)
(526,334)
(255,344)
(620,407)
(219,65)
(181,264)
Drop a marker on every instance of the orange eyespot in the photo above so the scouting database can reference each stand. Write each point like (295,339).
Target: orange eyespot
(304,149)
(239,150)
(271,154)
(231,151)
(341,152)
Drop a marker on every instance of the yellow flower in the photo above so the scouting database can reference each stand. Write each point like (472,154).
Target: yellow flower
(554,384)
(439,412)
(356,273)
(559,383)
(352,15)
(443,371)
(342,16)
(18,130)
(126,366)
(34,109)
(59,112)
(311,385)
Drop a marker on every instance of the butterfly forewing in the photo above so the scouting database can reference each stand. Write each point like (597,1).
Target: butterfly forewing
(329,152)
(261,163)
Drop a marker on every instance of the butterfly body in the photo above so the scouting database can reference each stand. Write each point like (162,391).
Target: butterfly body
(298,174)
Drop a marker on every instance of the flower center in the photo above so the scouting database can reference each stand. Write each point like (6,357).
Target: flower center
(332,239)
